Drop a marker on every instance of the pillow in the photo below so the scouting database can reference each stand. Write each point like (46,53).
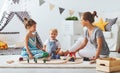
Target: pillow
(110,23)
(101,24)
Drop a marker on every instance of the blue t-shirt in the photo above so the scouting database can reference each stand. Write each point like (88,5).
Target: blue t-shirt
(97,33)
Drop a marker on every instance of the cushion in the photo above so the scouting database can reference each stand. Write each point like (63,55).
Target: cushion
(110,23)
(101,24)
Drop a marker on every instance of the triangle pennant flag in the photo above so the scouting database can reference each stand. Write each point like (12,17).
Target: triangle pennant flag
(16,1)
(61,10)
(71,12)
(41,2)
(51,6)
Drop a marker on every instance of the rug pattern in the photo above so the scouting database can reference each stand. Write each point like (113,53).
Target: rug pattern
(11,51)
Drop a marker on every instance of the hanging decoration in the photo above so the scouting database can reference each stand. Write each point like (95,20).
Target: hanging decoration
(51,6)
(61,10)
(41,2)
(71,12)
(16,1)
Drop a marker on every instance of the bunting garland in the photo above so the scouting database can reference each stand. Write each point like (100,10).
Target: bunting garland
(16,1)
(61,10)
(51,6)
(71,12)
(41,2)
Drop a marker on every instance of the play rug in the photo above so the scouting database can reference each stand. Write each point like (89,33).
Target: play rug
(12,61)
(52,61)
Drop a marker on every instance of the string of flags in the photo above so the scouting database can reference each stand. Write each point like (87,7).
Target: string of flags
(51,6)
(41,2)
(61,10)
(16,1)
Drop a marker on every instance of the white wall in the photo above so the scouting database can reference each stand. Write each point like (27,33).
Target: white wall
(47,19)
(1,4)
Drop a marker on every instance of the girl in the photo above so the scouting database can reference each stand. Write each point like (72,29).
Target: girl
(32,50)
(93,35)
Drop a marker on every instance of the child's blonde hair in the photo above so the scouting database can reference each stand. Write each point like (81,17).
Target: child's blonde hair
(54,30)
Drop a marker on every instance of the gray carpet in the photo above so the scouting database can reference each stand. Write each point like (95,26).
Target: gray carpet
(11,51)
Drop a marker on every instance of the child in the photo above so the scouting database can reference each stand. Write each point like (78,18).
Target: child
(52,45)
(31,50)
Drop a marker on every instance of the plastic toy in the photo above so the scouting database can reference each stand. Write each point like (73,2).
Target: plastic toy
(72,54)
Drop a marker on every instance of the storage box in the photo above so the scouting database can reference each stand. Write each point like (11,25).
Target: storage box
(108,64)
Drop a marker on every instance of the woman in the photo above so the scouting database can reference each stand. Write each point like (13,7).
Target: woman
(93,35)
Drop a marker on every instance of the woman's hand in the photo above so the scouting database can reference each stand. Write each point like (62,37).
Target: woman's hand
(93,60)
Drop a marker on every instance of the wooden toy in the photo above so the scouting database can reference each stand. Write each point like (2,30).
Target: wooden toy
(108,64)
